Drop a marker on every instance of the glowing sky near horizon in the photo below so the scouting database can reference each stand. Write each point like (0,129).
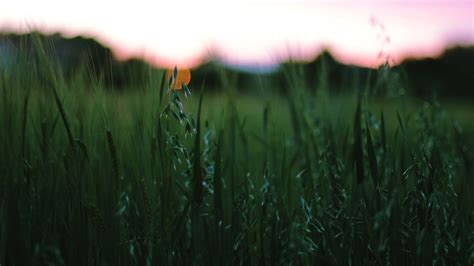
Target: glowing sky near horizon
(253,32)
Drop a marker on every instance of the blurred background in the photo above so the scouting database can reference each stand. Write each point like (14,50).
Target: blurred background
(430,42)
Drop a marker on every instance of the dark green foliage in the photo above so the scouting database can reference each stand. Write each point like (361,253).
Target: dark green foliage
(146,178)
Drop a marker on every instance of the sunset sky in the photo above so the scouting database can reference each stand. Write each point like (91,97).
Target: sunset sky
(253,32)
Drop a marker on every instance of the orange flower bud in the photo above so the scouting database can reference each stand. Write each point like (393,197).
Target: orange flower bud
(183,77)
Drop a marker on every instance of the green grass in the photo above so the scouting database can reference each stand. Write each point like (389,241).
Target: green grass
(146,177)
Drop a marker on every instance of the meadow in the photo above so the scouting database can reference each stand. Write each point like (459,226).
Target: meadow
(90,176)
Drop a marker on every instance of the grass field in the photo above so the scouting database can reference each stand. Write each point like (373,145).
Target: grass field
(148,177)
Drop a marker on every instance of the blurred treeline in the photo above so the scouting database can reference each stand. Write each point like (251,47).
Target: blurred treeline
(449,76)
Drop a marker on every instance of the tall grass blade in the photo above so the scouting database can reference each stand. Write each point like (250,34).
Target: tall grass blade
(372,157)
(357,150)
(383,134)
(197,172)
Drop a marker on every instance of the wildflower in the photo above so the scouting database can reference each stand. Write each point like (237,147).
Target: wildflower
(179,78)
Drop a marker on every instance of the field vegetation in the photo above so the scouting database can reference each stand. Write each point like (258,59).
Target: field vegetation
(93,176)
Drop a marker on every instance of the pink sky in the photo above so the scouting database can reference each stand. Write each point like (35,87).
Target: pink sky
(254,32)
